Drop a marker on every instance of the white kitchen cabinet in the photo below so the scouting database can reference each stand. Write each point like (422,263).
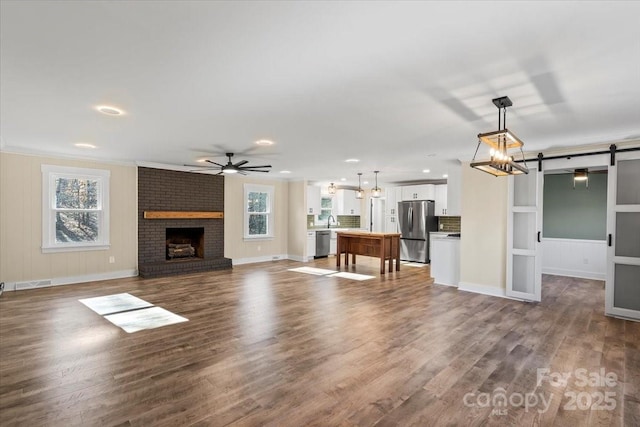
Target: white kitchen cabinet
(391,224)
(391,200)
(346,203)
(445,261)
(313,200)
(419,192)
(454,190)
(311,244)
(441,200)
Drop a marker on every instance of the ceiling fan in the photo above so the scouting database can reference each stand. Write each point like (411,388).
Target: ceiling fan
(231,168)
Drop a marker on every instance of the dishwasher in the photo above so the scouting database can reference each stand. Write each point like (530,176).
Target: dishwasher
(322,243)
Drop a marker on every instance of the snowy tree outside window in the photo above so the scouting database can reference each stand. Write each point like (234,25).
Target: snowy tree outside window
(75,208)
(258,212)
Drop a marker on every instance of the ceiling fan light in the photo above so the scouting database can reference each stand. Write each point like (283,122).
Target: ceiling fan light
(229,170)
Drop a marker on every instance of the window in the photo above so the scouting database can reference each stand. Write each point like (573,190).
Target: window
(326,204)
(258,214)
(75,209)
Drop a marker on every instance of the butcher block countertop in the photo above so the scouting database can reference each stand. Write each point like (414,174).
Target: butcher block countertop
(366,233)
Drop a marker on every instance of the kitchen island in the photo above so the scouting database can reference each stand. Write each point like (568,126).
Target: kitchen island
(385,246)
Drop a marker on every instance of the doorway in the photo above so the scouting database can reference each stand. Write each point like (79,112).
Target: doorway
(574,223)
(622,231)
(376,215)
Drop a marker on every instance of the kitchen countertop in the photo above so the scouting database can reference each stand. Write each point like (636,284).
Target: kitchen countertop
(444,235)
(366,233)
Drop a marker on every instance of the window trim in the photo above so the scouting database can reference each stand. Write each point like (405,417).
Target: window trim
(256,188)
(49,175)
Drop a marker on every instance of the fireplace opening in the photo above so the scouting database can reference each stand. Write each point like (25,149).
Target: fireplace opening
(184,243)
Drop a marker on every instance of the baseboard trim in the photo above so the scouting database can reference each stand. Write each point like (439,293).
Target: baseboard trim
(481,289)
(445,284)
(575,273)
(59,281)
(297,258)
(253,260)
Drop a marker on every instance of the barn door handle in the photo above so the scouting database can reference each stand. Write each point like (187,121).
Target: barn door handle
(609,240)
(538,237)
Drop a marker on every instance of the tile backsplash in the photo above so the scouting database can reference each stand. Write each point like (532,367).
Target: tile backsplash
(349,221)
(449,223)
(346,221)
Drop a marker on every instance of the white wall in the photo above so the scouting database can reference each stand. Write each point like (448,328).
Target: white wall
(483,229)
(21,259)
(575,258)
(235,246)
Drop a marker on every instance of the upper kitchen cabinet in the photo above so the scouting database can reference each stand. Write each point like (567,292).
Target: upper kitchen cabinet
(419,192)
(454,190)
(346,203)
(441,200)
(313,200)
(392,196)
(448,196)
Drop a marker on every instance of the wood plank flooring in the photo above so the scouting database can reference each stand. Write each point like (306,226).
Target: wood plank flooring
(266,346)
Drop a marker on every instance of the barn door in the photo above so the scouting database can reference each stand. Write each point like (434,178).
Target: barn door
(524,230)
(622,288)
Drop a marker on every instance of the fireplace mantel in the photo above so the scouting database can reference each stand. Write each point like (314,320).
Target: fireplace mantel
(183,215)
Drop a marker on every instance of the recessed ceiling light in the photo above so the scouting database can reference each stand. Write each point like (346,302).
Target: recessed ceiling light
(445,176)
(201,160)
(343,179)
(84,145)
(109,110)
(352,160)
(285,171)
(365,182)
(264,142)
(426,170)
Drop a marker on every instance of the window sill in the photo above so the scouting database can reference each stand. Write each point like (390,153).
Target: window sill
(55,249)
(251,239)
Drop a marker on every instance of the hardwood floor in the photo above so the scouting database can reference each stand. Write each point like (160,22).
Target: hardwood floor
(265,346)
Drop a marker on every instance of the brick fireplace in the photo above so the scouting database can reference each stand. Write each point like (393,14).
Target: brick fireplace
(166,190)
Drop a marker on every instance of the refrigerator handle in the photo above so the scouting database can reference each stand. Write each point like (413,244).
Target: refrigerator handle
(410,217)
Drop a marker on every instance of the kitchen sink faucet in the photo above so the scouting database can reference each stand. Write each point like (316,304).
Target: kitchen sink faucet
(329,221)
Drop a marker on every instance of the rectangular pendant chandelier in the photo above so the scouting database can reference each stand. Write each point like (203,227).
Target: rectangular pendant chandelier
(500,162)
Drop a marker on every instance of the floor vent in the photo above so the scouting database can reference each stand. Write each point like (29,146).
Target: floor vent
(32,284)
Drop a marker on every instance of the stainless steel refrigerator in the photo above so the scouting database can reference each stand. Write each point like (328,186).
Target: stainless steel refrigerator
(416,220)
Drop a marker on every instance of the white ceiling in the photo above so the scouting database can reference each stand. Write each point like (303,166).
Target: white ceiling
(389,83)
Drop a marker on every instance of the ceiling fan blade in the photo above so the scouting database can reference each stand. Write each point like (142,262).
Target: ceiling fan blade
(213,163)
(199,166)
(240,163)
(253,167)
(253,170)
(241,173)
